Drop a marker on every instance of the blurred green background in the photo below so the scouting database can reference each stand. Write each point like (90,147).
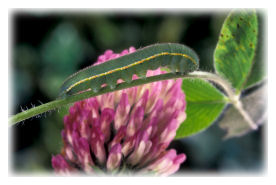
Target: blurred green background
(47,47)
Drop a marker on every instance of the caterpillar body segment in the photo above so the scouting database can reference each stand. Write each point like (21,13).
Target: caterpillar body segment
(176,57)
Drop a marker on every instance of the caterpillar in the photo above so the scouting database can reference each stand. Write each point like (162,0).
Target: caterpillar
(177,57)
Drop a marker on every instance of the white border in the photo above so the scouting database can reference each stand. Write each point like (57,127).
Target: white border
(141,4)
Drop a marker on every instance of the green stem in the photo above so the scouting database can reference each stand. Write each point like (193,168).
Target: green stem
(233,98)
(71,99)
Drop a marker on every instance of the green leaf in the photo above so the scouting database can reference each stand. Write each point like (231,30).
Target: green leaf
(258,71)
(255,105)
(236,47)
(204,105)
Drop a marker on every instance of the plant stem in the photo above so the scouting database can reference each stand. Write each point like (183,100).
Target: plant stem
(71,99)
(234,99)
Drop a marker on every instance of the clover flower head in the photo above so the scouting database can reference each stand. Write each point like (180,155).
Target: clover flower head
(124,131)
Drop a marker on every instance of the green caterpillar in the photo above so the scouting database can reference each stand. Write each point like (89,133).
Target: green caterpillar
(177,57)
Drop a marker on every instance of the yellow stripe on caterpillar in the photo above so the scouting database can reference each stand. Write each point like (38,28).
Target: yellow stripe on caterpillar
(128,66)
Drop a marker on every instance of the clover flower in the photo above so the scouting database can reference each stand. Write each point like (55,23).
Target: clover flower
(124,131)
